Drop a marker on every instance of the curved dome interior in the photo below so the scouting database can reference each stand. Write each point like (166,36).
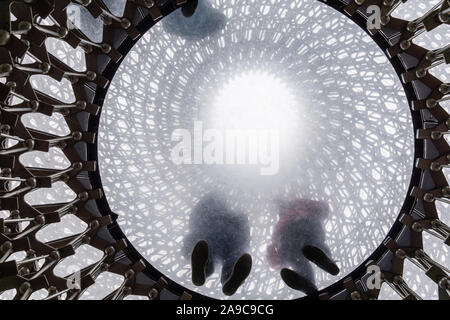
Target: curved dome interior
(298,67)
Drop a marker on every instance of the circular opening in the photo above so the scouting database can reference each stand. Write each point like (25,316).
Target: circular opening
(260,104)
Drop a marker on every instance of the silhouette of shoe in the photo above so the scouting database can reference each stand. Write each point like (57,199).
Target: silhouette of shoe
(199,259)
(297,281)
(189,8)
(320,258)
(240,272)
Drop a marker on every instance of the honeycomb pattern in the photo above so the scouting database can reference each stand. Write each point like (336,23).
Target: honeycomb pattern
(54,78)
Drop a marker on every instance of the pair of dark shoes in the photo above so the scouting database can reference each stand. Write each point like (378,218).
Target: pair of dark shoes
(200,258)
(298,282)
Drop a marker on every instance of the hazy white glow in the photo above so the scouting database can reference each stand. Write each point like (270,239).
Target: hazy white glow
(256,103)
(254,100)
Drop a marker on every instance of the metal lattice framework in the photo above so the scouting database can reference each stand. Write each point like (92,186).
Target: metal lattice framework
(31,34)
(158,89)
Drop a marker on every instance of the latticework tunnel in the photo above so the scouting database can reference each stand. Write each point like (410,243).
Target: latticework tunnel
(93,91)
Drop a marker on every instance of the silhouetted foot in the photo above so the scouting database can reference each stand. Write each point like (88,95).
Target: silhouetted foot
(297,282)
(240,272)
(189,8)
(199,259)
(318,257)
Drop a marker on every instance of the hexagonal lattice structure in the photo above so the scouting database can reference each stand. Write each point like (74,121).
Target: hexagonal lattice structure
(56,218)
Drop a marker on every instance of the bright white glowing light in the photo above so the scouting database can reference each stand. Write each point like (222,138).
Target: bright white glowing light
(257,103)
(255,100)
